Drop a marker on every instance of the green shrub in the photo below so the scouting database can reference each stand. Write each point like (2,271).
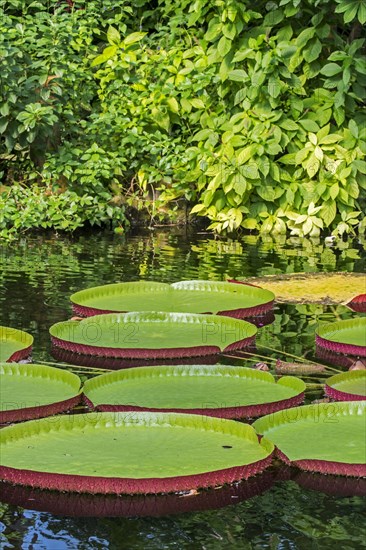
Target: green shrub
(252,112)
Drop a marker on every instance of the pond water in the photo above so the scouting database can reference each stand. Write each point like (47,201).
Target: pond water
(279,510)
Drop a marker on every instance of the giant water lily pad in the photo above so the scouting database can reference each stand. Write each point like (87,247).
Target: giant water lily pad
(33,391)
(225,391)
(348,336)
(130,452)
(347,386)
(216,297)
(309,288)
(14,344)
(326,437)
(152,335)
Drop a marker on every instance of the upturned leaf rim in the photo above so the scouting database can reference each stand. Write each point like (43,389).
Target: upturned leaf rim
(334,336)
(321,414)
(342,394)
(212,334)
(11,413)
(56,480)
(296,388)
(21,344)
(262,299)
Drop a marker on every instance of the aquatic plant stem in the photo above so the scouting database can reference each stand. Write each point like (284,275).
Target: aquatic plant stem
(299,358)
(229,356)
(327,370)
(69,365)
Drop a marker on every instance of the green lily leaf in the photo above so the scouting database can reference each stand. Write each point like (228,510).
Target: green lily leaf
(347,386)
(14,344)
(328,437)
(32,391)
(185,297)
(231,392)
(131,453)
(347,336)
(152,334)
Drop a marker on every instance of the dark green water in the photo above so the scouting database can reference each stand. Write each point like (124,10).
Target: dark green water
(38,275)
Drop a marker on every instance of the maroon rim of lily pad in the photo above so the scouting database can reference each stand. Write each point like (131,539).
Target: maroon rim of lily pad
(358,303)
(114,363)
(242,313)
(248,411)
(262,320)
(148,353)
(20,355)
(339,486)
(29,413)
(325,466)
(334,358)
(339,395)
(107,485)
(87,505)
(235,281)
(340,347)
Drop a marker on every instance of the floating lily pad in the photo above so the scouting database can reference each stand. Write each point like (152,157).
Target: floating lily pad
(326,437)
(130,452)
(317,288)
(348,336)
(152,335)
(224,391)
(33,391)
(216,297)
(15,345)
(347,386)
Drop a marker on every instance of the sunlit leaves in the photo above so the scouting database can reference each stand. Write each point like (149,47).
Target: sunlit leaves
(352,9)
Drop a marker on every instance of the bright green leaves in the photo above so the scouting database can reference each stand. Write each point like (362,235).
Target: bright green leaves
(345,74)
(246,114)
(108,53)
(305,224)
(331,69)
(315,153)
(113,36)
(352,9)
(119,46)
(35,113)
(133,38)
(224,46)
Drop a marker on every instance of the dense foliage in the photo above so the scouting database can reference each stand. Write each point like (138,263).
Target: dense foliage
(254,112)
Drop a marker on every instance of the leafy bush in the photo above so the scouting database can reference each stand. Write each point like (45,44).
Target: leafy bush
(253,112)
(23,208)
